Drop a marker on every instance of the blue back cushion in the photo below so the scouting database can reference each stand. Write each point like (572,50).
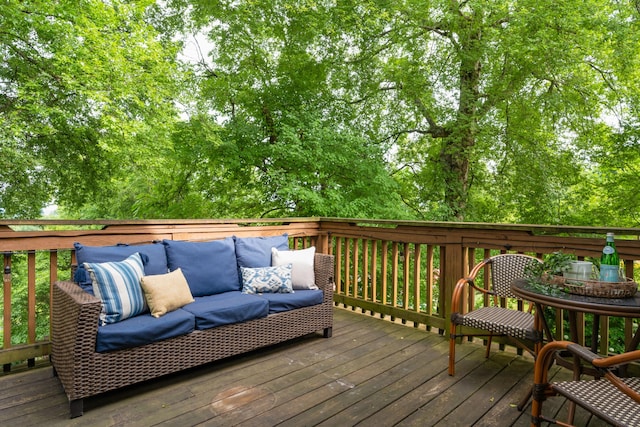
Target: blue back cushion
(255,252)
(209,267)
(153,257)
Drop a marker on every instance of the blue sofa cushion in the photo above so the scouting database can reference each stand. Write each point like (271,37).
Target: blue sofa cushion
(285,302)
(209,267)
(153,256)
(144,329)
(226,308)
(255,252)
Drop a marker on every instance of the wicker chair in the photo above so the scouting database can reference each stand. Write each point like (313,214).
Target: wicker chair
(611,398)
(497,319)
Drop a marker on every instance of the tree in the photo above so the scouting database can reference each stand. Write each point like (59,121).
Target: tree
(443,110)
(87,90)
(296,152)
(485,109)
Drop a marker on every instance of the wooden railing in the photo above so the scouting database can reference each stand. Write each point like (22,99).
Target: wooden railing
(407,270)
(403,270)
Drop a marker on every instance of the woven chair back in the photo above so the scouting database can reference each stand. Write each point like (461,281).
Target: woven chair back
(505,268)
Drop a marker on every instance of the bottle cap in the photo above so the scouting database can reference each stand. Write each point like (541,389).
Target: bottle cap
(610,234)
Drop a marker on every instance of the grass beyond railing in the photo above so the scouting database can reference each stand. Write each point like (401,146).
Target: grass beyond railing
(404,270)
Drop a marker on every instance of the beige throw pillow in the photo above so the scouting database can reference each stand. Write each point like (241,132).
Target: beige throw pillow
(166,292)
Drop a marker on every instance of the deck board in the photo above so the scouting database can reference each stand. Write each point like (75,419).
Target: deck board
(371,372)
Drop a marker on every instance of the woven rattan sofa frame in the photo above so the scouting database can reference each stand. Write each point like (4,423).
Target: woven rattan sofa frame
(83,372)
(611,398)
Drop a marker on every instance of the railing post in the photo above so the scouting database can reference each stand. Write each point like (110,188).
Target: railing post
(451,269)
(322,243)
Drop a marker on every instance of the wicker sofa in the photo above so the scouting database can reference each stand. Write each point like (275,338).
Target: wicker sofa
(84,371)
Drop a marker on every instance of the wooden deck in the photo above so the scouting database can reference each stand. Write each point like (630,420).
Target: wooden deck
(371,372)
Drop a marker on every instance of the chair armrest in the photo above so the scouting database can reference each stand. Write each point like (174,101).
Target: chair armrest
(463,283)
(600,362)
(618,359)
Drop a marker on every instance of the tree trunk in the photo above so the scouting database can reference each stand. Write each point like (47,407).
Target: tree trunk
(457,147)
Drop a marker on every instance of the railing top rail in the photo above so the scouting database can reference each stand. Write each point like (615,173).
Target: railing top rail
(165,222)
(534,229)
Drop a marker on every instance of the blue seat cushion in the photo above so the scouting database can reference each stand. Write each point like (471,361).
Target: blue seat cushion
(209,267)
(285,302)
(226,308)
(255,252)
(143,329)
(153,257)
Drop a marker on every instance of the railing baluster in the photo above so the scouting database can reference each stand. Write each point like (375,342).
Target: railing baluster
(365,270)
(31,301)
(6,292)
(338,258)
(417,262)
(356,275)
(53,277)
(385,260)
(405,277)
(347,267)
(394,276)
(430,281)
(374,272)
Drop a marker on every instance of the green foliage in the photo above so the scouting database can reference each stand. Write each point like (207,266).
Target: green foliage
(491,111)
(479,110)
(554,264)
(83,85)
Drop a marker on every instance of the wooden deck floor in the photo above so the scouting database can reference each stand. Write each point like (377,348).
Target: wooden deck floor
(371,373)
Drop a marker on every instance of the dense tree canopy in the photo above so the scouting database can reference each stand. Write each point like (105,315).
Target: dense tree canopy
(504,111)
(86,91)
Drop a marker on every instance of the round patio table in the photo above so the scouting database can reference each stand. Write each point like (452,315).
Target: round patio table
(616,307)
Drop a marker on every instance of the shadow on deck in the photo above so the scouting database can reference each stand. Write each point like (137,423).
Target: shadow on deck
(372,372)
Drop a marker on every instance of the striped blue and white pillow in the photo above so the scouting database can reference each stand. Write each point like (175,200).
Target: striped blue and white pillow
(117,284)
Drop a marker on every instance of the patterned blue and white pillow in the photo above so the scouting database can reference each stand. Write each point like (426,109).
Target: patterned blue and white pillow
(267,280)
(117,284)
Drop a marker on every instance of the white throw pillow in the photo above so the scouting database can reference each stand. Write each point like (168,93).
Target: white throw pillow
(302,273)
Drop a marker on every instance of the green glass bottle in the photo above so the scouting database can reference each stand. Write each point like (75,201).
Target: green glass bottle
(609,261)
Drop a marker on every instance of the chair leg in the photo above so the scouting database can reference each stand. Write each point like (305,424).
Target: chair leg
(488,351)
(452,350)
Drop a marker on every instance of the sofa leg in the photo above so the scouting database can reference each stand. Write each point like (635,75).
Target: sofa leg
(328,332)
(76,408)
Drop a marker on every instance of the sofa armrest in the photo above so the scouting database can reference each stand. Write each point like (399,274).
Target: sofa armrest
(324,272)
(75,315)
